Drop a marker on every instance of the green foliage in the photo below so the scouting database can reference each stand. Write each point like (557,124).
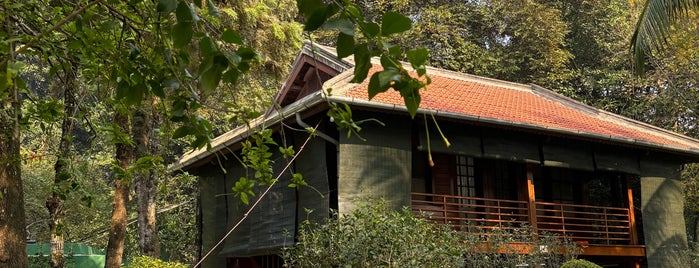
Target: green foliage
(366,39)
(689,257)
(148,262)
(375,236)
(577,263)
(653,28)
(89,202)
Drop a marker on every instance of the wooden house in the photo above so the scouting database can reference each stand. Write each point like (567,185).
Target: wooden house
(519,155)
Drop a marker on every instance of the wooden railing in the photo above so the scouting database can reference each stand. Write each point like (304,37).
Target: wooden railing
(594,224)
(471,214)
(588,224)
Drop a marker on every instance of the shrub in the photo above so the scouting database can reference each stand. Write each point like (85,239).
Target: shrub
(576,263)
(148,262)
(506,245)
(689,257)
(376,236)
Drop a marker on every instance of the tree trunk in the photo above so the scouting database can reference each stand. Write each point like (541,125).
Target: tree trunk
(13,247)
(54,203)
(146,183)
(117,227)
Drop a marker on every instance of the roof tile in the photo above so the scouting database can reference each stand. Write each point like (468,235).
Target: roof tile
(525,104)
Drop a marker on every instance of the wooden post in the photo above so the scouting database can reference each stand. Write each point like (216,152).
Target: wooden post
(632,217)
(531,198)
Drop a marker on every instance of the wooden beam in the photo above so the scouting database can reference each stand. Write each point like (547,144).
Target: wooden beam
(604,250)
(632,218)
(531,198)
(590,250)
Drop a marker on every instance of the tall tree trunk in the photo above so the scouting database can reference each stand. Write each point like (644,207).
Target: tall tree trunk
(54,203)
(13,247)
(146,182)
(117,227)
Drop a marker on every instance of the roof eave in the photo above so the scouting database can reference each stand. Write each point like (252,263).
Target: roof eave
(239,133)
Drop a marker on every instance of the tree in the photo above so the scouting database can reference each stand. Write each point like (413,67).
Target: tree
(141,49)
(62,182)
(520,41)
(653,27)
(12,245)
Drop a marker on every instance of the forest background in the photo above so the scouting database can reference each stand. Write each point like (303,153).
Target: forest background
(76,76)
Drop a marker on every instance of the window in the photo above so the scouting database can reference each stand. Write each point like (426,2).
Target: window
(465,176)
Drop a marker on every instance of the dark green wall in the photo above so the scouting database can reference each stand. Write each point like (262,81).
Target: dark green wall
(213,207)
(377,167)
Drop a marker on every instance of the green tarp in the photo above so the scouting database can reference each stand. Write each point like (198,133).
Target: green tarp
(77,255)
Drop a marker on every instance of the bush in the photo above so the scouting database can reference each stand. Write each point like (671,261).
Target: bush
(505,246)
(689,257)
(575,263)
(148,262)
(376,236)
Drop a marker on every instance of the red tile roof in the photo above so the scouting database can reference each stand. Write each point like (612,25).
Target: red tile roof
(529,105)
(469,98)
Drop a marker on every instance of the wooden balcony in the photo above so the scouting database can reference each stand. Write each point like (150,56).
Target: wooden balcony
(599,229)
(591,224)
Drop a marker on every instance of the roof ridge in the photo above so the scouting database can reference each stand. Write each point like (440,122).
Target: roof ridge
(477,79)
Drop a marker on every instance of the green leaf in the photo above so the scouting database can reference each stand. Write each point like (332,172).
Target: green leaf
(345,45)
(409,90)
(394,22)
(355,12)
(381,81)
(231,76)
(370,29)
(316,19)
(247,53)
(211,77)
(307,7)
(183,13)
(244,198)
(344,25)
(157,90)
(417,57)
(166,6)
(182,34)
(182,132)
(388,62)
(15,66)
(207,47)
(362,60)
(75,45)
(232,37)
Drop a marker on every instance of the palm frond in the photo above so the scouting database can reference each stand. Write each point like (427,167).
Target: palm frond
(653,27)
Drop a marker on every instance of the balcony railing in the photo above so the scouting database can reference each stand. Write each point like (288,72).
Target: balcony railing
(588,224)
(594,224)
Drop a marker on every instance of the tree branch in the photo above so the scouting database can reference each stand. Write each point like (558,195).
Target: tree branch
(39,36)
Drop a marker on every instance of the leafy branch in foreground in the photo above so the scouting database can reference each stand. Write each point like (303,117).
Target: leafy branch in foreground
(366,39)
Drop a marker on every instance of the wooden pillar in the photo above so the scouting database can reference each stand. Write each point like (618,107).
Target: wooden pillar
(632,217)
(531,197)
